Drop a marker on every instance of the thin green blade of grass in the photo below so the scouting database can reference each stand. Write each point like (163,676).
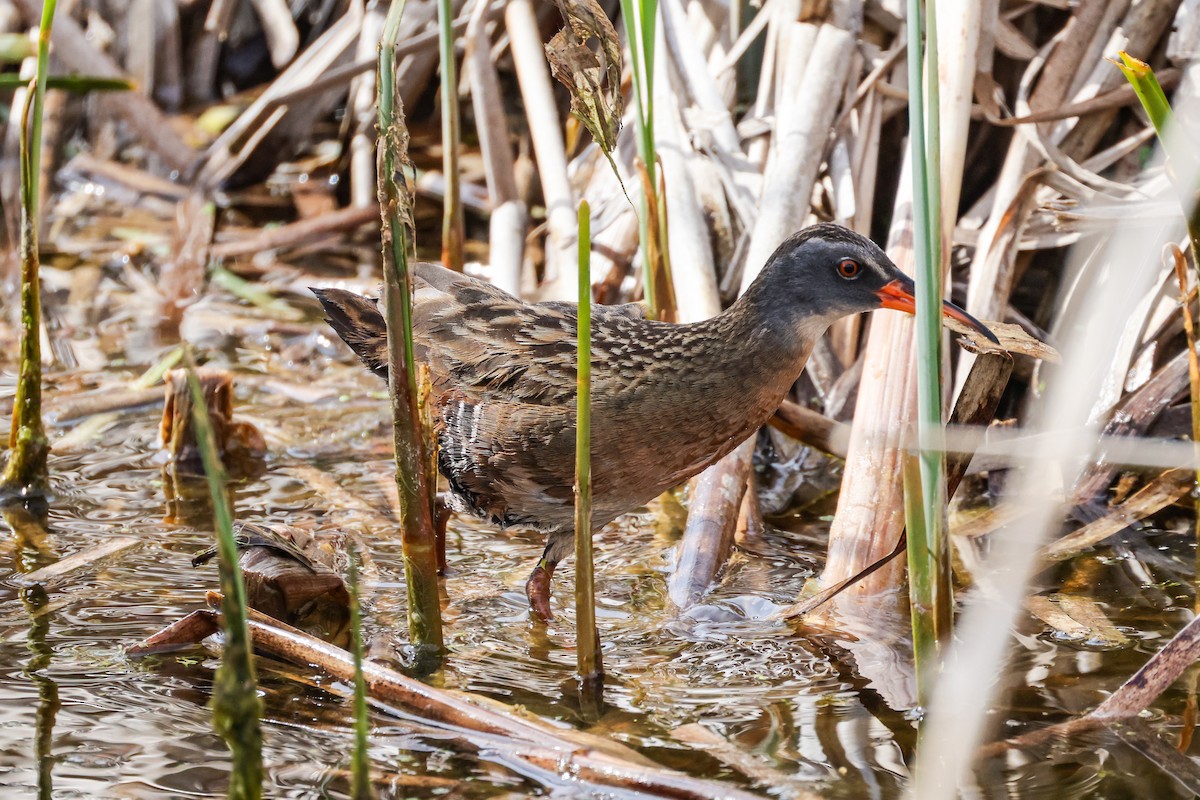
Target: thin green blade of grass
(588,661)
(452,211)
(78,84)
(26,471)
(927,547)
(360,765)
(413,458)
(237,707)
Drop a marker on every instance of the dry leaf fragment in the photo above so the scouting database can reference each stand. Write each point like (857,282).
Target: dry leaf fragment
(593,79)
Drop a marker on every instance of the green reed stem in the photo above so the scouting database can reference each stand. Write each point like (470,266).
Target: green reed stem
(78,84)
(236,704)
(928,551)
(588,660)
(413,455)
(26,471)
(452,210)
(641,18)
(360,765)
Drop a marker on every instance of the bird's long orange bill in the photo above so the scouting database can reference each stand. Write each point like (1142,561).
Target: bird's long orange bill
(899,295)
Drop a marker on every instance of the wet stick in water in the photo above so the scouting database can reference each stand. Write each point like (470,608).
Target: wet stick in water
(928,550)
(236,704)
(413,458)
(452,214)
(587,646)
(26,471)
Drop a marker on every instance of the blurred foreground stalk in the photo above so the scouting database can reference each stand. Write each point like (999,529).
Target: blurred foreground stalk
(236,704)
(1181,165)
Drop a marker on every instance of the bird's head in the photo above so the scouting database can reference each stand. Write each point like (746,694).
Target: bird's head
(826,272)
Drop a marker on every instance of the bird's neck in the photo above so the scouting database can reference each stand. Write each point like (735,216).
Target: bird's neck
(761,353)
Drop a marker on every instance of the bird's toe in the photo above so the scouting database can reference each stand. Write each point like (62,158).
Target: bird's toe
(537,589)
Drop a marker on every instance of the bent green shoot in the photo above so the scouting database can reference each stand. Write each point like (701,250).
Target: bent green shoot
(413,456)
(26,471)
(588,661)
(1154,100)
(236,704)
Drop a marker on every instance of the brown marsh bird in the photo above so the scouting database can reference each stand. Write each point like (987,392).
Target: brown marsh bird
(668,400)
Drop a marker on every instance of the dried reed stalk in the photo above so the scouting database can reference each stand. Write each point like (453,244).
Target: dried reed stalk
(545,129)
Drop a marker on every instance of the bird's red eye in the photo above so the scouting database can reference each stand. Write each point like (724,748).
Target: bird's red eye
(848,268)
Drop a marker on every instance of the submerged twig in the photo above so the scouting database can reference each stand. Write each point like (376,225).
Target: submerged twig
(491,727)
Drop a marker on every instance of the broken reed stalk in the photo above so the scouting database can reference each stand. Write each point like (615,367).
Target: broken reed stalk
(640,18)
(26,471)
(928,552)
(587,638)
(360,764)
(452,209)
(236,704)
(412,455)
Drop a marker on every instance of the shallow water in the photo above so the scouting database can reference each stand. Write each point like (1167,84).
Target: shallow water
(819,710)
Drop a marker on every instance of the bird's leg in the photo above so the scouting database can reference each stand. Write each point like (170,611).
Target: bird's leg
(537,588)
(441,518)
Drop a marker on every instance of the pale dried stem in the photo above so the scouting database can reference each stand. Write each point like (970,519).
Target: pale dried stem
(545,128)
(363,185)
(870,509)
(509,215)
(283,40)
(991,276)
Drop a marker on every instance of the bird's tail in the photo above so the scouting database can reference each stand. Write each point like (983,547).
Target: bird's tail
(358,321)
